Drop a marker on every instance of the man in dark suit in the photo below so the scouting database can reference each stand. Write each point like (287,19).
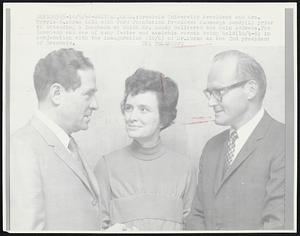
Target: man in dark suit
(51,184)
(241,175)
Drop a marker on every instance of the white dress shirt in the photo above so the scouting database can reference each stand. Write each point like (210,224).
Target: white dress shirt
(245,131)
(56,129)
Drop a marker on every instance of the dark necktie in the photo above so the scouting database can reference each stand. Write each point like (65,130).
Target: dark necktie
(230,147)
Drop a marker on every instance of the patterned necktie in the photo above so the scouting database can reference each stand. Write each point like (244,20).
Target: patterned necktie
(230,150)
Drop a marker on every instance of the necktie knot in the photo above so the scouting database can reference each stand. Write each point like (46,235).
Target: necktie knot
(234,135)
(74,149)
(72,145)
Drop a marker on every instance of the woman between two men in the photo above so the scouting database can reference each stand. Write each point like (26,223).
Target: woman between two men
(145,185)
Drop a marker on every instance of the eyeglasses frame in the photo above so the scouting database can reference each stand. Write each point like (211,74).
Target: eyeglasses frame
(208,93)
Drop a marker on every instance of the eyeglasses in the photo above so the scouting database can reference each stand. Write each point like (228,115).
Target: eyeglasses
(220,92)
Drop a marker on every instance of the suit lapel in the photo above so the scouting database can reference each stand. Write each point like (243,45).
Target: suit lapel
(91,176)
(60,150)
(220,163)
(246,151)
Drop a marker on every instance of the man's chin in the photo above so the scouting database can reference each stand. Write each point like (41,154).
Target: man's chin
(220,122)
(84,127)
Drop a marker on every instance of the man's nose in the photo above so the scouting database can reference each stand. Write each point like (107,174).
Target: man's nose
(212,101)
(94,103)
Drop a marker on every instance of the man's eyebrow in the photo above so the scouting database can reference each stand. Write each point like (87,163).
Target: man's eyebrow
(93,90)
(90,91)
(214,88)
(144,106)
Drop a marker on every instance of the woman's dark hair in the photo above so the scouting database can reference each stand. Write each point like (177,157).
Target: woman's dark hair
(165,89)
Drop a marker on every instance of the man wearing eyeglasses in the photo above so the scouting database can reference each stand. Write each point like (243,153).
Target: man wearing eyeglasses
(241,175)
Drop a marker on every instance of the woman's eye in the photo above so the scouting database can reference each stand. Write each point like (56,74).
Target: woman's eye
(89,95)
(144,109)
(128,108)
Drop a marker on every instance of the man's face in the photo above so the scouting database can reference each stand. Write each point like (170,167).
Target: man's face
(231,110)
(78,105)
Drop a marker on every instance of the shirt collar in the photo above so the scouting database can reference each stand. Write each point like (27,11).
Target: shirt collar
(56,129)
(247,129)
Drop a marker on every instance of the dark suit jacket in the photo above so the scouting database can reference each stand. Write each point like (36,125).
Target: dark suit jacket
(48,190)
(251,193)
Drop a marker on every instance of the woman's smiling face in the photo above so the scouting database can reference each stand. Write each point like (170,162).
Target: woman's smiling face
(142,118)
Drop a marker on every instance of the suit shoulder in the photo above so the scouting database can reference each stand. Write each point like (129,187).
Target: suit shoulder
(276,134)
(274,125)
(217,139)
(24,135)
(26,145)
(277,126)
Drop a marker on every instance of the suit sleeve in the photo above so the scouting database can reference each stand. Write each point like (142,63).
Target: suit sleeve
(273,211)
(27,209)
(195,220)
(102,176)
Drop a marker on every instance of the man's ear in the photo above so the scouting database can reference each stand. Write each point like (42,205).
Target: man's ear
(56,93)
(252,89)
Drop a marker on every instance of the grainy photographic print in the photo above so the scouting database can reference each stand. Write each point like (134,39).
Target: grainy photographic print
(149,117)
